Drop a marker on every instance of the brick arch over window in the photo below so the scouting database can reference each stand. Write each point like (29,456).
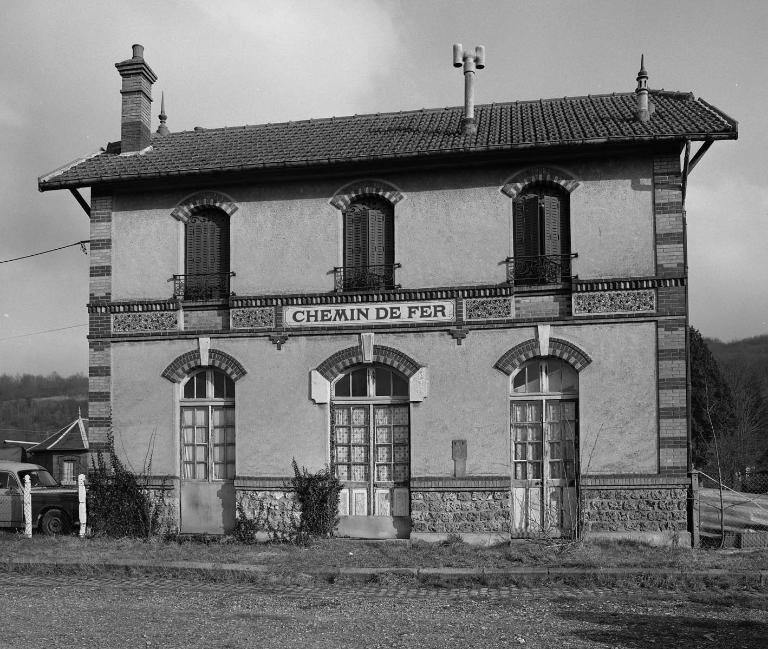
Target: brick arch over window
(181,367)
(342,360)
(203,200)
(559,348)
(539,175)
(344,197)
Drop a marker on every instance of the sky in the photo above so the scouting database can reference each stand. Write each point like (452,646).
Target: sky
(236,62)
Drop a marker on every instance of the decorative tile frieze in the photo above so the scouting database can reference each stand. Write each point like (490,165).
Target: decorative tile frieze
(357,297)
(147,321)
(488,308)
(613,302)
(259,317)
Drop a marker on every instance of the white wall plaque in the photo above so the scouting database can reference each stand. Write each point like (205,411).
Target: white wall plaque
(356,315)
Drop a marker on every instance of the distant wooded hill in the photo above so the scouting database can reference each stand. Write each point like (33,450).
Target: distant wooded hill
(749,356)
(33,406)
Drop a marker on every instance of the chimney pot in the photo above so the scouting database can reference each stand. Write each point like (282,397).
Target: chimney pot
(138,51)
(458,55)
(480,56)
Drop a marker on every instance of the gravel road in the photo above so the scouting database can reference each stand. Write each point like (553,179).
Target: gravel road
(121,611)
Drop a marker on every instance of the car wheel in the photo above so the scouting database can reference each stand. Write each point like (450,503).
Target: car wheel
(54,522)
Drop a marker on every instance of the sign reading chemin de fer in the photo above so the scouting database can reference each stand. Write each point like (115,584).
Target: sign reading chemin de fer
(360,314)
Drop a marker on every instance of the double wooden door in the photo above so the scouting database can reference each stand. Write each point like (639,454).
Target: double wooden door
(544,464)
(370,446)
(207,499)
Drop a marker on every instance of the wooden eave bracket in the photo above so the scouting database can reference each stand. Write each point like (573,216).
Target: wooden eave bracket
(699,154)
(79,198)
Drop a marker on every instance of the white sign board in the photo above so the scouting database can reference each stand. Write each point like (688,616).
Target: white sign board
(356,315)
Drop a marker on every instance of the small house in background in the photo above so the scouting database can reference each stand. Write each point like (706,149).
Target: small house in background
(64,454)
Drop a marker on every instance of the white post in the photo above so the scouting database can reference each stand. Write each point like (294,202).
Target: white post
(81,501)
(27,507)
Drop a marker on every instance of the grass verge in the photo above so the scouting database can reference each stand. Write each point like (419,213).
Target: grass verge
(567,563)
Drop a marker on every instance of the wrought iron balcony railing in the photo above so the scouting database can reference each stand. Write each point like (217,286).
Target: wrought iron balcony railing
(361,278)
(201,286)
(539,269)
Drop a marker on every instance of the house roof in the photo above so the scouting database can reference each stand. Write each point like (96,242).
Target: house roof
(427,133)
(73,437)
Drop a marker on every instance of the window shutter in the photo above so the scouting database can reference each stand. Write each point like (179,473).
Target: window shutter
(526,226)
(376,237)
(553,244)
(207,243)
(355,236)
(369,233)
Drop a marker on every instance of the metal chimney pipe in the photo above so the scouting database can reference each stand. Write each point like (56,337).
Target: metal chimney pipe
(470,62)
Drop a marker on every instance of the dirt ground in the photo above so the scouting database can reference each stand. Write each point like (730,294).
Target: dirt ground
(121,611)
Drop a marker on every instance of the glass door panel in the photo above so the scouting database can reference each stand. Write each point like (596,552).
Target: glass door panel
(371,452)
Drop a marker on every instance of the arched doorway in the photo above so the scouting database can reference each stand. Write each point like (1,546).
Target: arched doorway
(370,451)
(544,448)
(207,443)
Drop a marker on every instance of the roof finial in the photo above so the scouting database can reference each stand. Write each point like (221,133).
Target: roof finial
(162,129)
(644,107)
(643,72)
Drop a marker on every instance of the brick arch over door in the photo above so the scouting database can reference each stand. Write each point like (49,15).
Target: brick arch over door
(336,364)
(558,347)
(201,201)
(539,175)
(344,196)
(181,367)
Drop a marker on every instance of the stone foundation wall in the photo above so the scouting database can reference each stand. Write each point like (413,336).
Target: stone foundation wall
(276,512)
(164,503)
(460,512)
(634,510)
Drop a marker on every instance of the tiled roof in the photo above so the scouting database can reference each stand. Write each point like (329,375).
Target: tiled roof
(595,119)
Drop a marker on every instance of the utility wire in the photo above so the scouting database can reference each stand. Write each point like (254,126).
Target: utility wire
(45,252)
(46,331)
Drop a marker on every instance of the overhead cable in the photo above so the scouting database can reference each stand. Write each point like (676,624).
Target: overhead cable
(45,252)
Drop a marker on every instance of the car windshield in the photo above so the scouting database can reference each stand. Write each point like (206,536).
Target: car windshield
(38,478)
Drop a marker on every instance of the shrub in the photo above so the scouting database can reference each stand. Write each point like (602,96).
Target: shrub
(318,496)
(118,504)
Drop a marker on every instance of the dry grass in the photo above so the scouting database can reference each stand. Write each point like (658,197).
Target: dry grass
(339,553)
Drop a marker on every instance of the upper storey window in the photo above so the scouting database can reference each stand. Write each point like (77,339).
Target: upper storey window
(542,236)
(206,257)
(369,246)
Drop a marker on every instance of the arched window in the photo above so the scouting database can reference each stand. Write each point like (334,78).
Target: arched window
(369,245)
(544,441)
(206,256)
(370,441)
(542,235)
(208,426)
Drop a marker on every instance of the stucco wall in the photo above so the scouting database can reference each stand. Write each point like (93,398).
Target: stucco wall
(452,227)
(618,426)
(468,399)
(612,219)
(144,407)
(145,246)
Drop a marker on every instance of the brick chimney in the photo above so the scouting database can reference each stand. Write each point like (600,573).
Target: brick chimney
(137,101)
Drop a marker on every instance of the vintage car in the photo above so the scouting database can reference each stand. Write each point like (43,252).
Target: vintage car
(54,508)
